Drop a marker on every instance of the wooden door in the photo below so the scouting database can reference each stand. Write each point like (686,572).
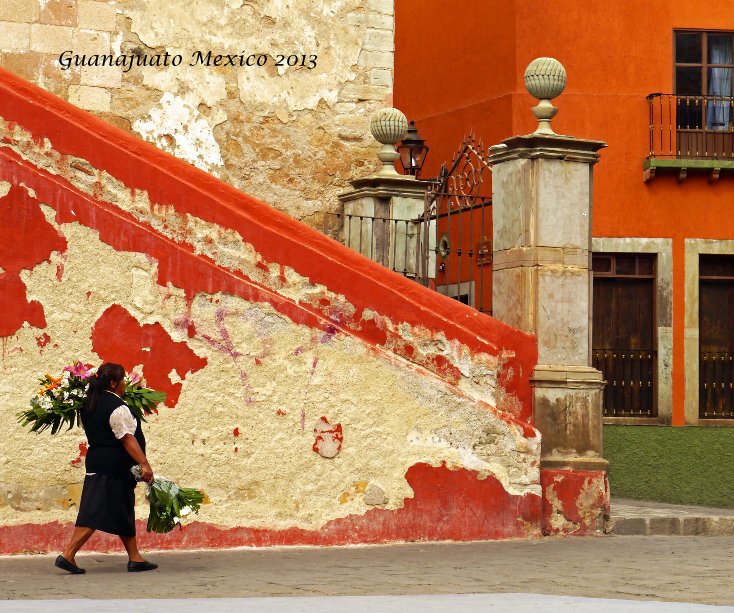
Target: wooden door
(716,337)
(623,338)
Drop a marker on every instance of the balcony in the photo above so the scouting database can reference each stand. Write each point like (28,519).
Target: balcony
(690,133)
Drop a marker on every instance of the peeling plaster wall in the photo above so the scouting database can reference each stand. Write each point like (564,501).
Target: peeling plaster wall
(265,377)
(289,135)
(291,404)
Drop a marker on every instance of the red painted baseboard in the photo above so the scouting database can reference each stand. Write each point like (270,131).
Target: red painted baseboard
(575,502)
(447,504)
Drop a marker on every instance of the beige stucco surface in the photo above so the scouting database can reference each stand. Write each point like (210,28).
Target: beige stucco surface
(393,413)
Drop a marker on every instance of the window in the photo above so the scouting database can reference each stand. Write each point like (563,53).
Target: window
(697,120)
(703,79)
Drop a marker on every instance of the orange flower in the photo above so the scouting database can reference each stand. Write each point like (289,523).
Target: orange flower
(55,382)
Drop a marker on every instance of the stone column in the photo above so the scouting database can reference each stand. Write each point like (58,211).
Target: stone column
(379,214)
(381,209)
(542,191)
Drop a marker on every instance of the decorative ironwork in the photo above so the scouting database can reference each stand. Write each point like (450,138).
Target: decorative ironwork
(446,247)
(460,185)
(457,209)
(484,251)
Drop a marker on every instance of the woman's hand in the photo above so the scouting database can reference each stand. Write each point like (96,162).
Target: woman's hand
(130,444)
(146,473)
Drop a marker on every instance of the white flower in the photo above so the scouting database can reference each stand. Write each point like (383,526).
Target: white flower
(185,511)
(176,520)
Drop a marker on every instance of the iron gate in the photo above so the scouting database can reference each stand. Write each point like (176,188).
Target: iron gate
(456,229)
(448,247)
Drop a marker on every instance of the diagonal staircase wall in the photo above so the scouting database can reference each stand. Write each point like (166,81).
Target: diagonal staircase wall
(316,397)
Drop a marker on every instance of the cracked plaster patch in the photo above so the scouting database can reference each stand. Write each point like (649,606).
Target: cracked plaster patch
(177,126)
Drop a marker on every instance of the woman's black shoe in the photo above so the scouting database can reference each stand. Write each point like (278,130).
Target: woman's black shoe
(64,564)
(137,567)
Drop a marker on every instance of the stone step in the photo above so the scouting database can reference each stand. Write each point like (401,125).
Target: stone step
(644,518)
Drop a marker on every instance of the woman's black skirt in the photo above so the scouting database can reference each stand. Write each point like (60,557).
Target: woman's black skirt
(108,504)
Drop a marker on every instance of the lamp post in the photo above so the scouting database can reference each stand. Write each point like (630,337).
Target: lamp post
(413,151)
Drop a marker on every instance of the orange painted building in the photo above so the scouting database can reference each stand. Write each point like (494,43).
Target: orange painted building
(460,68)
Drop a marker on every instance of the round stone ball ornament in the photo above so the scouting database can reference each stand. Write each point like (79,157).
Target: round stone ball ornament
(388,126)
(545,79)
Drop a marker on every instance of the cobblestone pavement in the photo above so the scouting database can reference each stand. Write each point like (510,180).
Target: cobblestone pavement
(673,568)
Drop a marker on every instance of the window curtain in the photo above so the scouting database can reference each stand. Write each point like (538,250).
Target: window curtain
(718,115)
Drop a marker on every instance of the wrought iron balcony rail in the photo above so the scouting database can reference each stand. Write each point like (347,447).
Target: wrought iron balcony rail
(691,127)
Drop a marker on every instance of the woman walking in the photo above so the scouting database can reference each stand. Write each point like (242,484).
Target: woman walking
(116,444)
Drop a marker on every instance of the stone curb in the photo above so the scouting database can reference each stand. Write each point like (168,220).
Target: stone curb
(672,526)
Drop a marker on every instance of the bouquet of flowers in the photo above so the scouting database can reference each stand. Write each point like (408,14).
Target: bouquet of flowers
(59,400)
(169,503)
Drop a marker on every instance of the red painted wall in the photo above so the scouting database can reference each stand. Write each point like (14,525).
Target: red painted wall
(614,58)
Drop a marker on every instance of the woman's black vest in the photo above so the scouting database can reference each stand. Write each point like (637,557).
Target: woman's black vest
(105,453)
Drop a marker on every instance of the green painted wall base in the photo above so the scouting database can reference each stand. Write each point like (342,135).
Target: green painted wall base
(678,465)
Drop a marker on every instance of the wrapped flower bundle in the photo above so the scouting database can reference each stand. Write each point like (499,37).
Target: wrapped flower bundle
(59,400)
(169,503)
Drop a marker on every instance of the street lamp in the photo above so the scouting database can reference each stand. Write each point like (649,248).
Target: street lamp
(413,151)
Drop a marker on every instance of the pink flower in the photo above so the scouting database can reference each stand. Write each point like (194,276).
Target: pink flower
(80,369)
(134,378)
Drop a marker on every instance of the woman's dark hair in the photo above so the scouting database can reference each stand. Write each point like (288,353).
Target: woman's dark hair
(99,382)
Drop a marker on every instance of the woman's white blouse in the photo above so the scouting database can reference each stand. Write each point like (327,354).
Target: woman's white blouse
(122,421)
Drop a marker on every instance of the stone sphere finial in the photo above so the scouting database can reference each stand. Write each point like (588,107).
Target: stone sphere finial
(545,79)
(388,126)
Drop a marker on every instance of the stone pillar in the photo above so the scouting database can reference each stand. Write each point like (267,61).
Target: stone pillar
(381,210)
(379,214)
(542,190)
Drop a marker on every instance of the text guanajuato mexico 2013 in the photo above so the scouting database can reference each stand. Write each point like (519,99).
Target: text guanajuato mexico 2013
(127,61)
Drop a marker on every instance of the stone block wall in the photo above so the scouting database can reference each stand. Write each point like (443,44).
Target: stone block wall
(290,135)
(315,396)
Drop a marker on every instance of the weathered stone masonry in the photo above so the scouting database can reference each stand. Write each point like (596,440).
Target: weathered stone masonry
(287,135)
